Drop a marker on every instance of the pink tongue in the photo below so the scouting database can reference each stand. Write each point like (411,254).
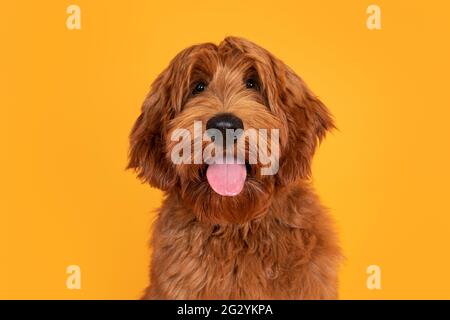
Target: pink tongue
(226,179)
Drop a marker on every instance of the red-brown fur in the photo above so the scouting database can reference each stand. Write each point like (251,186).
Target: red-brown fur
(272,241)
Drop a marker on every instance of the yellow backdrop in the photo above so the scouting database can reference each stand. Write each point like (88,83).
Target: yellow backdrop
(70,97)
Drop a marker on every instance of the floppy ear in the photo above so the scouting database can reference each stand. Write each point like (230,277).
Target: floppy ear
(147,143)
(307,120)
(147,155)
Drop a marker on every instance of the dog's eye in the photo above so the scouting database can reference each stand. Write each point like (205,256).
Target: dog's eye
(199,87)
(251,83)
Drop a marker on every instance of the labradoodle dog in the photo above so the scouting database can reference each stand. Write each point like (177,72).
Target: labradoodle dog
(226,230)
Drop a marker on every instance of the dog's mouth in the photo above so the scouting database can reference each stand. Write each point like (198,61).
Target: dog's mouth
(227,179)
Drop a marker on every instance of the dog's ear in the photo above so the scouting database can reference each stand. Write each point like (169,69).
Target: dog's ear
(147,142)
(148,152)
(307,120)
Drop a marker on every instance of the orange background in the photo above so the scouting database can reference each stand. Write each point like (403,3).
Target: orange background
(70,97)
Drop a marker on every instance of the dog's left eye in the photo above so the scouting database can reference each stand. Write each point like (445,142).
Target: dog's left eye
(199,87)
(251,83)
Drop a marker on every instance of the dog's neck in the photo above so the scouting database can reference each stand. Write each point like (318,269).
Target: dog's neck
(285,209)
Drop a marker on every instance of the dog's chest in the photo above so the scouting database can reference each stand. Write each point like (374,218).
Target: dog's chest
(226,262)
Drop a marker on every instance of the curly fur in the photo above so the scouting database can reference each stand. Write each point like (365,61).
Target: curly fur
(272,241)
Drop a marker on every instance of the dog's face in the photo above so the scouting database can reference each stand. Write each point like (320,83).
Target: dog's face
(239,86)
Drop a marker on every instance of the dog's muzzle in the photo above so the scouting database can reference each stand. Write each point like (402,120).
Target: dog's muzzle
(226,179)
(224,121)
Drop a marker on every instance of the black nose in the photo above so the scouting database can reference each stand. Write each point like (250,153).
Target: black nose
(224,121)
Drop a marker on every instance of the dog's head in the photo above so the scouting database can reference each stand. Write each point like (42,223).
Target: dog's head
(236,85)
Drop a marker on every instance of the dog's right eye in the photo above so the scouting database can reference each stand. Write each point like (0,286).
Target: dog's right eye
(199,87)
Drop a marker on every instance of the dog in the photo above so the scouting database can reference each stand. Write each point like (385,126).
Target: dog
(259,236)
